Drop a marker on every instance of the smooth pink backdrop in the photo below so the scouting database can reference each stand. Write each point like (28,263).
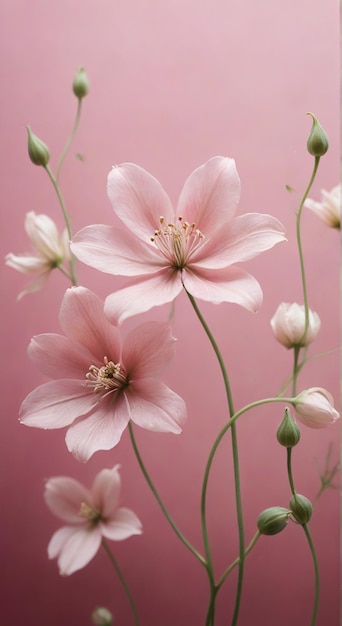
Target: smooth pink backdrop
(172,84)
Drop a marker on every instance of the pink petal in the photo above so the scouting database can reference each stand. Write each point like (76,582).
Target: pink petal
(152,405)
(125,524)
(82,318)
(36,285)
(56,404)
(138,199)
(115,251)
(59,357)
(210,195)
(230,284)
(64,497)
(102,430)
(75,549)
(27,264)
(106,491)
(147,349)
(142,295)
(247,236)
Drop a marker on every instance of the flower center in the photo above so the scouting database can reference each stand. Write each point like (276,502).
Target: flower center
(107,378)
(177,242)
(89,513)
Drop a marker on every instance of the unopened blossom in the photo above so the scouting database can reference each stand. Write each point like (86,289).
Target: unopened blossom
(49,251)
(101,381)
(90,515)
(288,325)
(315,408)
(197,247)
(329,208)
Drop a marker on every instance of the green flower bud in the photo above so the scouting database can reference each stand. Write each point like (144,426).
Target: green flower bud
(301,508)
(102,617)
(80,85)
(317,143)
(288,433)
(37,149)
(273,520)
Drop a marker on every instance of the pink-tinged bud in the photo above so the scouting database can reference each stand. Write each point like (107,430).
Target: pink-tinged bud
(37,149)
(315,408)
(317,143)
(329,209)
(288,325)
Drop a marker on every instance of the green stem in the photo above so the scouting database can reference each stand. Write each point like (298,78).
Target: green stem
(66,219)
(160,502)
(289,470)
(236,562)
(316,568)
(70,140)
(238,501)
(122,580)
(300,248)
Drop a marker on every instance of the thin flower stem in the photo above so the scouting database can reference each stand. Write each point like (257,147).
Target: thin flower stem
(122,580)
(61,269)
(289,470)
(236,562)
(66,219)
(158,498)
(70,140)
(316,568)
(300,248)
(238,501)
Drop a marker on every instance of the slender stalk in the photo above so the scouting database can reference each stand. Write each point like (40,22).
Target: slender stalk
(66,219)
(289,470)
(316,568)
(238,501)
(236,562)
(159,500)
(70,140)
(122,580)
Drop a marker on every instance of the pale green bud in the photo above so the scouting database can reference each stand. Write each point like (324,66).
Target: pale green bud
(37,149)
(273,520)
(317,142)
(102,617)
(288,433)
(80,85)
(301,508)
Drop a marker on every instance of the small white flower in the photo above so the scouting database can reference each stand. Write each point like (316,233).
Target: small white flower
(288,325)
(329,209)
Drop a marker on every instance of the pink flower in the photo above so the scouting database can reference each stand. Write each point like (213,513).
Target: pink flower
(329,209)
(100,381)
(196,248)
(288,325)
(315,408)
(50,249)
(90,514)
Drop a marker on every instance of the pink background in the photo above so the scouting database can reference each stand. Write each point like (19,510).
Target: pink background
(172,84)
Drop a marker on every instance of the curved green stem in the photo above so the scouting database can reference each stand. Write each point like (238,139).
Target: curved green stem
(317,582)
(289,470)
(66,219)
(70,140)
(300,248)
(159,500)
(238,501)
(236,562)
(122,580)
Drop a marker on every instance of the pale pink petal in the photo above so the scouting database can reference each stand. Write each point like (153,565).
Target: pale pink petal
(106,491)
(246,236)
(147,349)
(27,264)
(74,549)
(225,285)
(115,251)
(43,234)
(124,524)
(56,404)
(138,199)
(152,405)
(36,285)
(210,195)
(59,357)
(102,430)
(315,408)
(82,318)
(143,295)
(64,497)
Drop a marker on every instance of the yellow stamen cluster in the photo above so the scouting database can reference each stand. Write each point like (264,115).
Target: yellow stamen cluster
(177,242)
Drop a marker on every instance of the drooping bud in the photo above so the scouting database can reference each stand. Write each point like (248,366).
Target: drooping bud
(80,85)
(301,508)
(273,520)
(317,143)
(37,149)
(288,433)
(102,617)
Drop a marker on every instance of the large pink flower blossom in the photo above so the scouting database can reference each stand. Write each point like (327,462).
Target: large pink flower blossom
(100,381)
(90,514)
(197,247)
